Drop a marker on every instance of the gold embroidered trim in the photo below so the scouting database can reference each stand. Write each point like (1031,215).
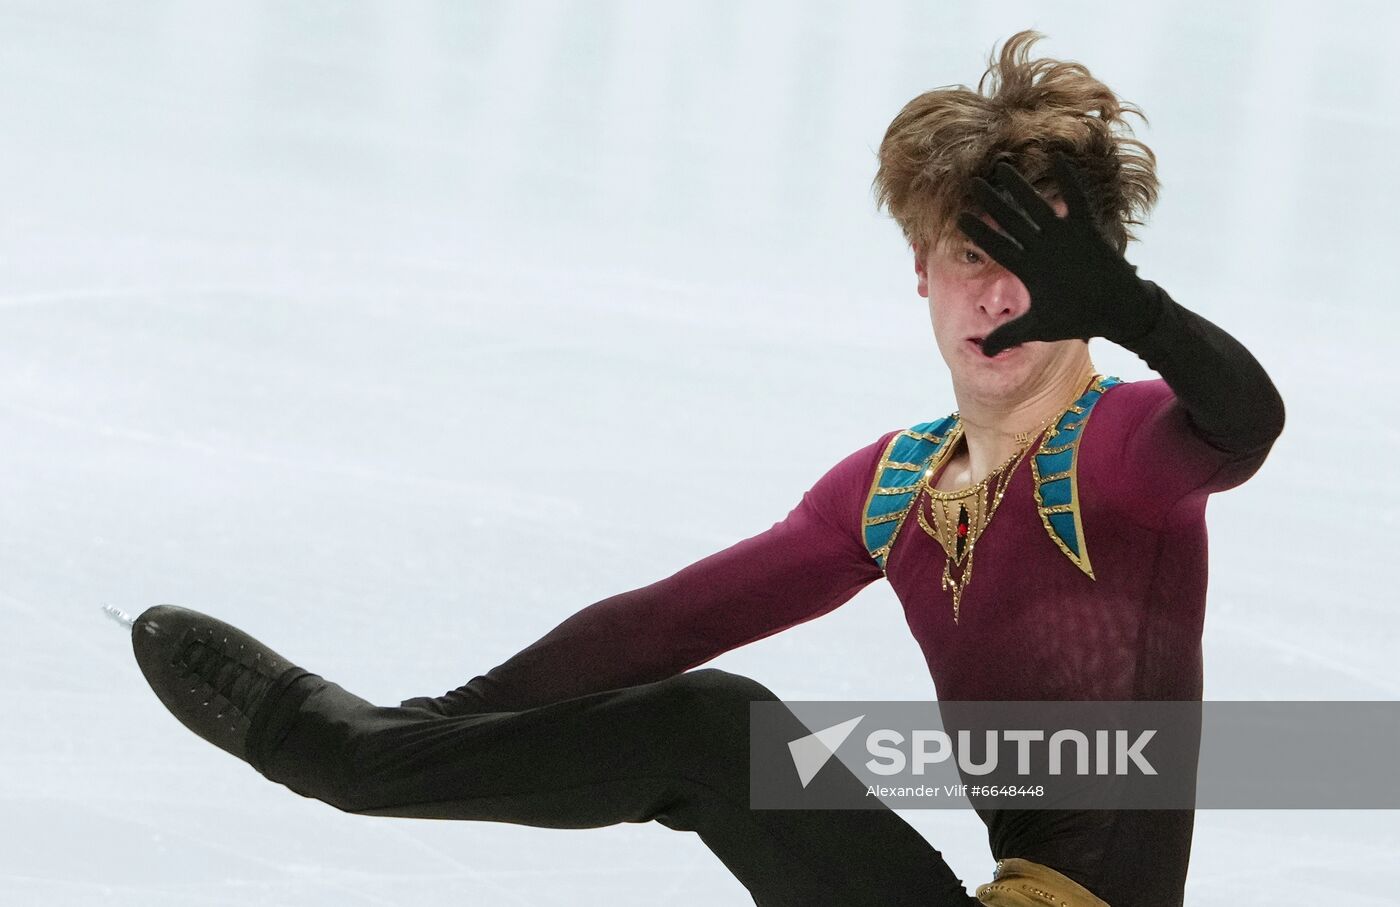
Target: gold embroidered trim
(940,454)
(1079,560)
(885,518)
(946,443)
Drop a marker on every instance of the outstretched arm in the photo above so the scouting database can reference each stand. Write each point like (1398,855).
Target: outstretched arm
(1228,397)
(804,566)
(1223,413)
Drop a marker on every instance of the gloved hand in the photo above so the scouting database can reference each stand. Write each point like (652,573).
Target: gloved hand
(1080,286)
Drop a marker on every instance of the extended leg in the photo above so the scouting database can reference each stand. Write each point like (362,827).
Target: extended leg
(675,751)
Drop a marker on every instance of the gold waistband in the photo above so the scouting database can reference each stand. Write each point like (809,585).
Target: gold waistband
(1023,883)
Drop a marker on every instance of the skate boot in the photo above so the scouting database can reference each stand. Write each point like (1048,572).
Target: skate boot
(217,680)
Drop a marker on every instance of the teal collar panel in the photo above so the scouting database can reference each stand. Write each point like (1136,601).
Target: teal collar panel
(1055,473)
(907,457)
(917,452)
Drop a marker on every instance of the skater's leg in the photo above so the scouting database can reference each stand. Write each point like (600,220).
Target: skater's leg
(675,751)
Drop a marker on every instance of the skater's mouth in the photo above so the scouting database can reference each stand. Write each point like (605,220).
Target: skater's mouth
(976,342)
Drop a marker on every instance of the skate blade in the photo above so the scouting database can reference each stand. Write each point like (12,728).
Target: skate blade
(118,615)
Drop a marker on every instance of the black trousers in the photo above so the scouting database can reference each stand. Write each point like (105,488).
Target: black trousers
(674,752)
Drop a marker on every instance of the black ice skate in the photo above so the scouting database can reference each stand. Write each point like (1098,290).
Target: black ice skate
(217,680)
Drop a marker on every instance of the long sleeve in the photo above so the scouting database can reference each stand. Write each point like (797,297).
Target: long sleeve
(804,566)
(1228,397)
(1205,427)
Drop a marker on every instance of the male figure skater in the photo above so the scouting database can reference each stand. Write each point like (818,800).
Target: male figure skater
(1081,499)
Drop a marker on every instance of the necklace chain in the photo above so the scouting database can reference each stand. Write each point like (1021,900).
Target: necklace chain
(956,527)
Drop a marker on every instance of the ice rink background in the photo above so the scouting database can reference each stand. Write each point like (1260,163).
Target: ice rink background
(354,324)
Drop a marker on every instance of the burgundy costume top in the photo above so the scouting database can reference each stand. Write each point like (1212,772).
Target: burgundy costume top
(1033,625)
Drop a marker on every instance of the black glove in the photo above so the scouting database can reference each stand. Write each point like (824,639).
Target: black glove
(1080,286)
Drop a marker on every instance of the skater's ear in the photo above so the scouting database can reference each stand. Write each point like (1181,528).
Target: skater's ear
(920,267)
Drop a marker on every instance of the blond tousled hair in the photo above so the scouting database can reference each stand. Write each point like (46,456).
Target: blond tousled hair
(945,137)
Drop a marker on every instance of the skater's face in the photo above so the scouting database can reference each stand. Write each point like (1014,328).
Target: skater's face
(970,295)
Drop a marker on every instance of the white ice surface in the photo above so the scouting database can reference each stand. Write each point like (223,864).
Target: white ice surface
(352,323)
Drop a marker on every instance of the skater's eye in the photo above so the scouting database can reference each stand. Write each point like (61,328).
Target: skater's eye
(969,256)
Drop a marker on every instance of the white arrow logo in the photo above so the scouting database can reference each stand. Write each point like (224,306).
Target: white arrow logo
(810,753)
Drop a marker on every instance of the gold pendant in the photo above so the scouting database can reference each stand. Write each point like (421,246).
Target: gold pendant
(957,519)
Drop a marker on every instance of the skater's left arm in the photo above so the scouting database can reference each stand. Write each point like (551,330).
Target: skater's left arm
(1223,413)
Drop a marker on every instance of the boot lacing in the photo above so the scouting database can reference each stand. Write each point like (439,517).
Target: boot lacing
(236,680)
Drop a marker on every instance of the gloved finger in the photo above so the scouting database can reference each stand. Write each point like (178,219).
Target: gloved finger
(1071,187)
(1004,251)
(1025,194)
(1013,333)
(1009,218)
